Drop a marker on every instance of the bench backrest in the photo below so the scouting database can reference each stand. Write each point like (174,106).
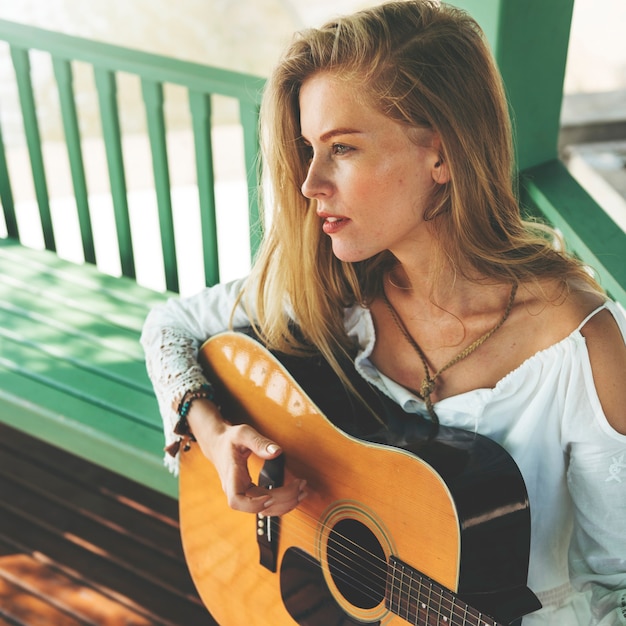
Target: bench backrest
(533,75)
(154,72)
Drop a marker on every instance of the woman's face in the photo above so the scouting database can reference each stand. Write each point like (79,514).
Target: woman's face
(370,176)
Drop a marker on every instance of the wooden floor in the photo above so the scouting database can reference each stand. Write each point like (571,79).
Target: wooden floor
(82,546)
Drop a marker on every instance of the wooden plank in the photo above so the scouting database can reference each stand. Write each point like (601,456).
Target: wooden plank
(153,100)
(71,366)
(200,104)
(46,504)
(21,607)
(86,276)
(97,480)
(6,194)
(65,83)
(21,63)
(588,231)
(108,393)
(88,543)
(30,588)
(81,347)
(104,422)
(153,66)
(39,318)
(128,447)
(46,481)
(67,294)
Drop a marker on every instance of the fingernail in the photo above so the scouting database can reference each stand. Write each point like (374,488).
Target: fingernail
(268,503)
(272,448)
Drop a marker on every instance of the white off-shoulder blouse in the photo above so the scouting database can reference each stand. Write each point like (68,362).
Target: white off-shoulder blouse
(546,414)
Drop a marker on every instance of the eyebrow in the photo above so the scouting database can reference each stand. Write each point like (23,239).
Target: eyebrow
(335,132)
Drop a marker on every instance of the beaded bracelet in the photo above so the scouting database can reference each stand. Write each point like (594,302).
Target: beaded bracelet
(205,391)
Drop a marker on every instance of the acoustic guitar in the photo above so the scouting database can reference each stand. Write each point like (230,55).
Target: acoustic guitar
(407,526)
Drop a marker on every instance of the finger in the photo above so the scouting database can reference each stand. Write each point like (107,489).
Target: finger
(283,499)
(250,439)
(296,487)
(246,504)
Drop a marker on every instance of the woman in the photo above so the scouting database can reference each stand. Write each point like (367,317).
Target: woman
(397,241)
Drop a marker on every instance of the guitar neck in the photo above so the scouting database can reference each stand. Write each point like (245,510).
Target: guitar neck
(422,602)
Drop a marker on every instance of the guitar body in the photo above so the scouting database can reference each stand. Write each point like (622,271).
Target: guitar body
(406,528)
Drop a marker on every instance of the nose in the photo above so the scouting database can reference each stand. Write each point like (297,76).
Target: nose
(317,182)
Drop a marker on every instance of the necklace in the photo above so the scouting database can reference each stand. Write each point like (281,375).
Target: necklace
(428,384)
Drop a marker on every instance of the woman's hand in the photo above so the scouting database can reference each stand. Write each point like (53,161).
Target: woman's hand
(228,447)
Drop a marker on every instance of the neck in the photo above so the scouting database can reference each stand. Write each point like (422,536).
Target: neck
(444,293)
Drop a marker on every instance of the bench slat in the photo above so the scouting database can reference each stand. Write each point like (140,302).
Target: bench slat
(72,370)
(65,78)
(153,99)
(41,320)
(6,194)
(200,104)
(107,95)
(23,339)
(71,296)
(86,276)
(102,436)
(21,63)
(110,393)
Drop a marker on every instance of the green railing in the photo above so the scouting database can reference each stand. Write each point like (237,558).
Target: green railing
(530,42)
(533,76)
(154,72)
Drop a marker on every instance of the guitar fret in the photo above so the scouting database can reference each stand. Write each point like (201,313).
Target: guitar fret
(422,602)
(423,598)
(430,591)
(392,592)
(416,595)
(446,605)
(407,582)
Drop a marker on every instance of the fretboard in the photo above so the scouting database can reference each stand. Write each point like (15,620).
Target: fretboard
(422,602)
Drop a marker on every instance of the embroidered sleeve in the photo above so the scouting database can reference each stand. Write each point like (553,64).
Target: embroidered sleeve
(173,369)
(171,337)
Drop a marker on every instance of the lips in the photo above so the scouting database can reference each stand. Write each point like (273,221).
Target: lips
(333,224)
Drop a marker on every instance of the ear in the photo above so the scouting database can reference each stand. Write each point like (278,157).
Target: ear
(440,170)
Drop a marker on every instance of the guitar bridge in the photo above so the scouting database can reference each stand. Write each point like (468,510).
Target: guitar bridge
(268,527)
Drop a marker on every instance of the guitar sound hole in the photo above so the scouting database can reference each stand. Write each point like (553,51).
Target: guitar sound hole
(357,564)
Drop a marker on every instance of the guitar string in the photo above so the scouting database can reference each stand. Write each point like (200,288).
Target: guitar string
(429,584)
(314,526)
(421,613)
(446,612)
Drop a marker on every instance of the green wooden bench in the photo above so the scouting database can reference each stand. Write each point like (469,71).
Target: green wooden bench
(71,368)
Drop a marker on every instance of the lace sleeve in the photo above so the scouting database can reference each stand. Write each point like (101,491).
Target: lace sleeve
(171,336)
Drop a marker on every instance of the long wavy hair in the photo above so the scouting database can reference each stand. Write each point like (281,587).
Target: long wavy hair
(424,65)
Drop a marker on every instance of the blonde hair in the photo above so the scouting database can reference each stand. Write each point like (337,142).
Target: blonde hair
(424,65)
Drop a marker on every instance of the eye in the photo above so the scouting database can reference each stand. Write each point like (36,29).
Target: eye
(340,149)
(307,151)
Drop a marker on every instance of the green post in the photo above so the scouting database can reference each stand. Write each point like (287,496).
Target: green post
(529,39)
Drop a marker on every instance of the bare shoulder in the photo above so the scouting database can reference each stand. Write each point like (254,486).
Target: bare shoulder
(607,354)
(554,313)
